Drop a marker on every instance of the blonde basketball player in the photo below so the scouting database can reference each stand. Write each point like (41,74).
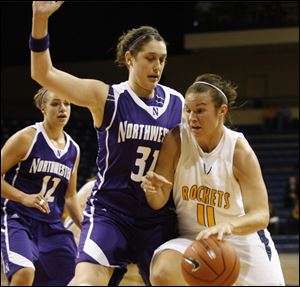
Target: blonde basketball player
(218,188)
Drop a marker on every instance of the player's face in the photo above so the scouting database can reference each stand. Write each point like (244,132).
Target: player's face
(57,111)
(147,68)
(202,116)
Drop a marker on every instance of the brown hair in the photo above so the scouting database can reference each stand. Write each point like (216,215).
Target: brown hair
(133,41)
(227,87)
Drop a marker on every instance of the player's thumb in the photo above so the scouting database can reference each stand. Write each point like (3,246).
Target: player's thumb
(161,179)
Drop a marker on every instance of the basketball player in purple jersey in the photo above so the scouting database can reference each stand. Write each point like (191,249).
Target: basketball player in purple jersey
(131,120)
(39,173)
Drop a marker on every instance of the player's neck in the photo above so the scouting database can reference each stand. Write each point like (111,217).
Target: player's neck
(210,142)
(53,133)
(140,91)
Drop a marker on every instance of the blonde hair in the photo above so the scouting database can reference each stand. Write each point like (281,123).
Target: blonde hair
(40,97)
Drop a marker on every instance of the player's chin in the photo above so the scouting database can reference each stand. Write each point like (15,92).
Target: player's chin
(153,80)
(197,132)
(62,121)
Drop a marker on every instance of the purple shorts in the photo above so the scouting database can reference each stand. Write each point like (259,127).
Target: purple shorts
(49,248)
(113,239)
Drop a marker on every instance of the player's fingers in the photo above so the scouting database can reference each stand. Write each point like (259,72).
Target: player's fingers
(42,204)
(40,207)
(149,188)
(154,177)
(46,207)
(220,235)
(59,3)
(144,181)
(200,235)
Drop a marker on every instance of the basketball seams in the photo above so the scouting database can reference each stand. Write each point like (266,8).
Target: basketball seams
(224,265)
(233,266)
(206,262)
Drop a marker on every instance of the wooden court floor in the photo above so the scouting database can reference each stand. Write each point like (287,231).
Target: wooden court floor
(289,263)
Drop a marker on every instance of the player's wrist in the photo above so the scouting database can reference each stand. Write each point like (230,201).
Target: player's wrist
(39,44)
(231,227)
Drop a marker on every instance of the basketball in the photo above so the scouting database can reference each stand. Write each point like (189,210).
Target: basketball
(210,262)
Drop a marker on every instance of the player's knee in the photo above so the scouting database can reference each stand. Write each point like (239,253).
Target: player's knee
(23,277)
(161,274)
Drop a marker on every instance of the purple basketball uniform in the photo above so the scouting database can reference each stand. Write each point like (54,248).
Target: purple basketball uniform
(119,226)
(30,238)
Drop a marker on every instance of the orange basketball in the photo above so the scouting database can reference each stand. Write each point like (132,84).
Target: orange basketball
(210,262)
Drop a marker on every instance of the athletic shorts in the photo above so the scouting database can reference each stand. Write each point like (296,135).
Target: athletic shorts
(49,249)
(115,240)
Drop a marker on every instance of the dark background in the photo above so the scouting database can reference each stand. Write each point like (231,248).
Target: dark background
(89,30)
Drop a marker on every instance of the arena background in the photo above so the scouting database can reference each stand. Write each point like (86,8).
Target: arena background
(253,43)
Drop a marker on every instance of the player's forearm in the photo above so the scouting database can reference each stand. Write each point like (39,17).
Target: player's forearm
(156,200)
(10,192)
(39,26)
(41,64)
(251,222)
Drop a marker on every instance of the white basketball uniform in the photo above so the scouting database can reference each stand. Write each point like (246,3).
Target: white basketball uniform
(206,193)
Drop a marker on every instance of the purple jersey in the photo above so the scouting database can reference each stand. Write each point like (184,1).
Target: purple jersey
(129,142)
(46,170)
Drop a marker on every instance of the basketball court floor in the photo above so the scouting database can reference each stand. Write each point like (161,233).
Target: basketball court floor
(289,263)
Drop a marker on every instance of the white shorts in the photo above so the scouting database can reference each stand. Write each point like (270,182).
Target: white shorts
(257,267)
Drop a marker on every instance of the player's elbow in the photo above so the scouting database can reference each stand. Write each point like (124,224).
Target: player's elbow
(264,219)
(37,76)
(41,74)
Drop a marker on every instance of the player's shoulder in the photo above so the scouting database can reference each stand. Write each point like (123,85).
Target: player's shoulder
(26,134)
(172,91)
(21,140)
(118,88)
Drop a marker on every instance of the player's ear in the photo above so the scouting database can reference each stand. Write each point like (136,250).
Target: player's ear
(43,109)
(223,109)
(128,58)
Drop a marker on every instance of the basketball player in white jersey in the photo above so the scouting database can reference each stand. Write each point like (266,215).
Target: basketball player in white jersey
(218,188)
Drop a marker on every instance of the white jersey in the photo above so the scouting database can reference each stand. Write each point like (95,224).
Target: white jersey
(205,189)
(206,193)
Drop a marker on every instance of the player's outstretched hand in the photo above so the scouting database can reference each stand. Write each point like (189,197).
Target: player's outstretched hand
(154,183)
(45,8)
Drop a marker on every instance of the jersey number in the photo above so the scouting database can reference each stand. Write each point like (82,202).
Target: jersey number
(206,215)
(47,192)
(141,162)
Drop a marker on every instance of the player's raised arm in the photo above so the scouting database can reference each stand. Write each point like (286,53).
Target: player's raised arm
(82,92)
